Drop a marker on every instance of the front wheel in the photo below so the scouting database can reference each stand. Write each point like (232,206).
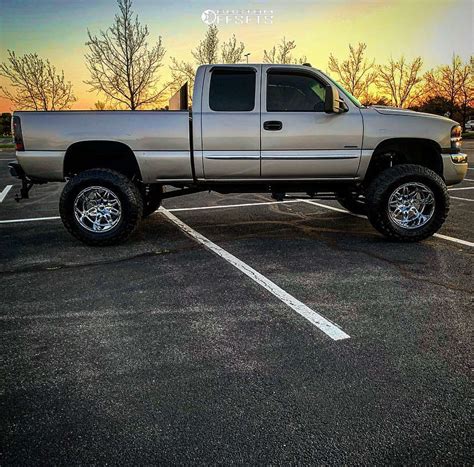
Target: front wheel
(407,202)
(100,207)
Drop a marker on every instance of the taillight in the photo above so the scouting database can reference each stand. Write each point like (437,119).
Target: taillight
(17,135)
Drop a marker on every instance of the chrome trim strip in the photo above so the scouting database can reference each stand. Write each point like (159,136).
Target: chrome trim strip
(296,158)
(311,154)
(233,158)
(169,180)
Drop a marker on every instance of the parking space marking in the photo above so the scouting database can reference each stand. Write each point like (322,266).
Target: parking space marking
(233,205)
(5,191)
(463,199)
(462,188)
(32,219)
(456,240)
(469,180)
(329,328)
(344,211)
(332,208)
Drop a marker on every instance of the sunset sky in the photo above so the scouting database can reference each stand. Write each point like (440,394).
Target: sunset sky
(56,29)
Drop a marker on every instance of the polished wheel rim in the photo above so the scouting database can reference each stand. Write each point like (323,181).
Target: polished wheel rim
(411,205)
(97,209)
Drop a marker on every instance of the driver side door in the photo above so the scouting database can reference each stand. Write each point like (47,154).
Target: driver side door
(298,139)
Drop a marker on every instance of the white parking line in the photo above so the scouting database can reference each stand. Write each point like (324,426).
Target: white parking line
(444,237)
(233,205)
(5,191)
(463,199)
(463,188)
(469,180)
(332,208)
(329,328)
(32,219)
(456,240)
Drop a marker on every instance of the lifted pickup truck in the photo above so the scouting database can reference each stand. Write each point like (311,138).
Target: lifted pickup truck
(252,128)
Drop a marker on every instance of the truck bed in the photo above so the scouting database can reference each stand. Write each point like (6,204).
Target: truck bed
(159,139)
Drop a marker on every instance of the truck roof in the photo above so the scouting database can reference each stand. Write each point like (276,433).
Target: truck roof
(282,65)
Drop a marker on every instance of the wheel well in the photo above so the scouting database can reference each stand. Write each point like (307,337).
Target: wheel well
(424,152)
(100,154)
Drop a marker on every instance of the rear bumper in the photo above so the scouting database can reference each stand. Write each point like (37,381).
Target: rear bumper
(42,165)
(454,168)
(16,170)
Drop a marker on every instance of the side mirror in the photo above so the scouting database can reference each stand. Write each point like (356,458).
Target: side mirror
(332,103)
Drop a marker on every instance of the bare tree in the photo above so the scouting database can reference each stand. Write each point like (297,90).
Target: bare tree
(282,53)
(122,65)
(375,99)
(454,83)
(399,80)
(181,72)
(100,105)
(231,52)
(207,51)
(35,84)
(355,73)
(466,99)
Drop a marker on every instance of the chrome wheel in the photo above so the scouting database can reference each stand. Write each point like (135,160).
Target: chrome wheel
(97,209)
(411,205)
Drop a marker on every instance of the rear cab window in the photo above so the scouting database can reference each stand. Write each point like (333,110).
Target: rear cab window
(232,90)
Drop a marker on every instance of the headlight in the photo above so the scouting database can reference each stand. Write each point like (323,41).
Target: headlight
(456,138)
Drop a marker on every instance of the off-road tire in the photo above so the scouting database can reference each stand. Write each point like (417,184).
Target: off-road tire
(128,194)
(386,182)
(352,203)
(151,199)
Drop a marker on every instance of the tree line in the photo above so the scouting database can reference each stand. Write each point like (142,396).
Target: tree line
(125,67)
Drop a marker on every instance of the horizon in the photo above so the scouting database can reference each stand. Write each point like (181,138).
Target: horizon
(447,29)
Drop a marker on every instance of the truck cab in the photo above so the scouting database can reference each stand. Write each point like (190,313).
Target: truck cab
(270,122)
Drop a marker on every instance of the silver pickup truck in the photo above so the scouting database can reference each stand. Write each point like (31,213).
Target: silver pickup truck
(252,128)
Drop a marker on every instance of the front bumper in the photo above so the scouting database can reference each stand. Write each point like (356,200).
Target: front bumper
(454,168)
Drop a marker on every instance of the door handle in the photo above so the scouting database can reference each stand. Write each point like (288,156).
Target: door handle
(272,125)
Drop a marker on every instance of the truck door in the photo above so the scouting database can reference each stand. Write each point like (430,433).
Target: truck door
(230,116)
(300,140)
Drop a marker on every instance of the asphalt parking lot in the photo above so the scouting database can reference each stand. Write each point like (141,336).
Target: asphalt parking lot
(295,335)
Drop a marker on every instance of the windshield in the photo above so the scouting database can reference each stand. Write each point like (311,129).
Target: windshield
(353,99)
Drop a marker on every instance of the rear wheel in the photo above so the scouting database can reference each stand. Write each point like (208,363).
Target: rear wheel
(100,207)
(407,202)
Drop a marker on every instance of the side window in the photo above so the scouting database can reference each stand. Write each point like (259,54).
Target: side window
(232,90)
(293,92)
